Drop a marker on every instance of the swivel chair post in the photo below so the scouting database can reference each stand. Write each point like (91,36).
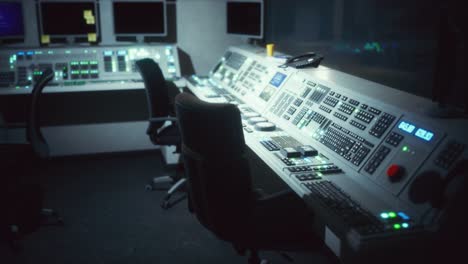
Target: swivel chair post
(162,129)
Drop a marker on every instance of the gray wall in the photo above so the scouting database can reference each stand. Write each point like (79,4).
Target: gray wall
(201,32)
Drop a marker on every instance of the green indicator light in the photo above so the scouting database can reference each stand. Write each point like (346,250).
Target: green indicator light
(384,215)
(396,226)
(84,62)
(405,149)
(74,63)
(392,214)
(17,87)
(405,225)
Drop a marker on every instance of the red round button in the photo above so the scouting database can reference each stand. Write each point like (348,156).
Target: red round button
(394,172)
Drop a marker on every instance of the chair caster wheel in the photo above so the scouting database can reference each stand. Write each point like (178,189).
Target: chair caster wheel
(148,187)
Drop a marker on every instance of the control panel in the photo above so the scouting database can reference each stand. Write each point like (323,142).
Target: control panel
(78,66)
(353,156)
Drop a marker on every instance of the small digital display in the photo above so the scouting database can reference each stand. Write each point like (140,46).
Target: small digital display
(11,19)
(424,134)
(278,79)
(407,127)
(68,18)
(245,18)
(139,18)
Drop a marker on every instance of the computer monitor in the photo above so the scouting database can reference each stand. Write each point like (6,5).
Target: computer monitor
(245,18)
(68,19)
(139,18)
(11,20)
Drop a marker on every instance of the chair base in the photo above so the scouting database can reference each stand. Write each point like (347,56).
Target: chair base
(163,180)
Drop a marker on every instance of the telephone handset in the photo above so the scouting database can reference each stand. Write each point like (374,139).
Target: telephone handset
(303,60)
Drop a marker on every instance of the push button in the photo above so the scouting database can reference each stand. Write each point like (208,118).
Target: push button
(395,172)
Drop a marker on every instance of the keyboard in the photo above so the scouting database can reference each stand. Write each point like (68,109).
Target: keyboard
(349,212)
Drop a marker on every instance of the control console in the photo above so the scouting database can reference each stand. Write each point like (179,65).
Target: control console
(80,66)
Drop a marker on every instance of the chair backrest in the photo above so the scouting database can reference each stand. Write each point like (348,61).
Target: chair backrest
(213,149)
(33,128)
(156,91)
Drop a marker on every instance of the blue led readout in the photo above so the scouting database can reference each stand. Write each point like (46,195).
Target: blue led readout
(407,127)
(424,134)
(278,79)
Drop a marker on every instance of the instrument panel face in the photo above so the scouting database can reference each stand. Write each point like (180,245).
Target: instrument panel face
(81,66)
(373,144)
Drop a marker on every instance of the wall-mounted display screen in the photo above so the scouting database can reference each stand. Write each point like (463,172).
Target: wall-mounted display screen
(245,18)
(68,18)
(11,20)
(139,18)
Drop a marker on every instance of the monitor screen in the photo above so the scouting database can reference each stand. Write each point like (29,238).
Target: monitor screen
(11,19)
(139,18)
(68,18)
(245,18)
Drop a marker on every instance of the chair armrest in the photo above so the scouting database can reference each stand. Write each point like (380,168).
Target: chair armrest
(159,119)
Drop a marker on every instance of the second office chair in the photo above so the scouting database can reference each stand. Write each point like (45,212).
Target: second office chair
(162,128)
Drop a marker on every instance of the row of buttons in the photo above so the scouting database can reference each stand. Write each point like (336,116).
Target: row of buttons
(374,110)
(330,101)
(308,177)
(353,135)
(299,116)
(358,125)
(353,102)
(340,116)
(449,154)
(324,108)
(300,169)
(394,139)
(346,108)
(377,159)
(364,116)
(291,110)
(270,145)
(382,124)
(298,102)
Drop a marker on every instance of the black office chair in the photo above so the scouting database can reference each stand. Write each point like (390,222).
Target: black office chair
(26,198)
(220,190)
(161,110)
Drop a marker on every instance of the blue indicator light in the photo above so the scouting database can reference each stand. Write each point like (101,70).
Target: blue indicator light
(403,216)
(30,52)
(20,52)
(122,52)
(405,225)
(424,134)
(108,53)
(278,79)
(407,127)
